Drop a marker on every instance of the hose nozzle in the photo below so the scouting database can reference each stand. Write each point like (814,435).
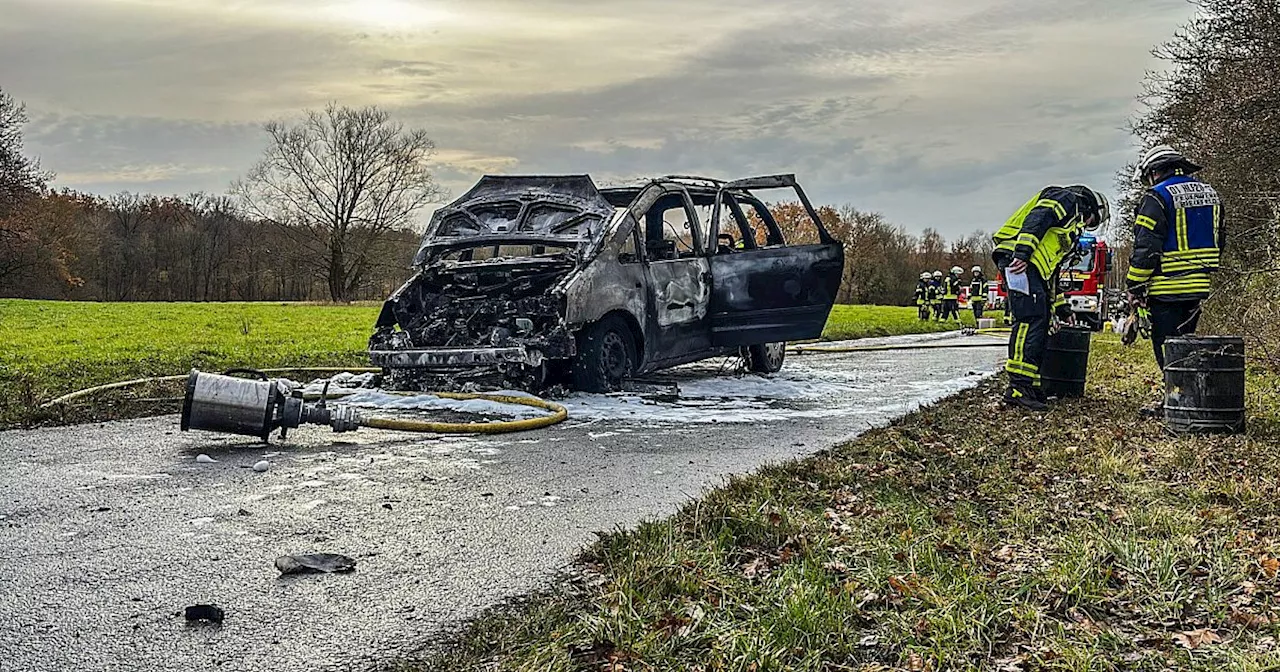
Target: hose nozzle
(255,407)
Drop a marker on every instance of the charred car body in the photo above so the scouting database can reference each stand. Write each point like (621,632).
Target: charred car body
(537,281)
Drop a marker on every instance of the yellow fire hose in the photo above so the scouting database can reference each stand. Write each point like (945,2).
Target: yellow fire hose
(558,413)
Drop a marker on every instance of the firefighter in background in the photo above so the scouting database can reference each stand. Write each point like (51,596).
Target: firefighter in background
(978,292)
(951,294)
(922,295)
(935,298)
(1178,237)
(1035,241)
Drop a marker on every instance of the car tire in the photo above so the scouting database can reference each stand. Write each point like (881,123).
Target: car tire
(606,356)
(766,358)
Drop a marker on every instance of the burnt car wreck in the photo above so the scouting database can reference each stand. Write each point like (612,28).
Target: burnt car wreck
(536,281)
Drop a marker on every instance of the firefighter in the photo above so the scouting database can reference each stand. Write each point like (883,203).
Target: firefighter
(1035,241)
(978,292)
(922,295)
(1178,237)
(951,294)
(935,299)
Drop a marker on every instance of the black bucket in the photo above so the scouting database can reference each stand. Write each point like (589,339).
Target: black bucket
(1204,385)
(1066,362)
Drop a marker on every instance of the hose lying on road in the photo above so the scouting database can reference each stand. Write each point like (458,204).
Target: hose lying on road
(88,392)
(887,348)
(558,413)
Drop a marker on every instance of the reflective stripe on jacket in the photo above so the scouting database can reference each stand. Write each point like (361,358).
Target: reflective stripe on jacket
(1178,237)
(978,290)
(951,288)
(1044,230)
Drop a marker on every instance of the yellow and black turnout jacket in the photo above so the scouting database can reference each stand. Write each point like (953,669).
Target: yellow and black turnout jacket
(1178,237)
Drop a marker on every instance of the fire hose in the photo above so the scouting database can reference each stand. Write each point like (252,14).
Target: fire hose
(249,407)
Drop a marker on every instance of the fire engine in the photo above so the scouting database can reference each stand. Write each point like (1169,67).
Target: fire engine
(1089,283)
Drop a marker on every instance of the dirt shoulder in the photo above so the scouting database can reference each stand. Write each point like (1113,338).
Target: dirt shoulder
(966,536)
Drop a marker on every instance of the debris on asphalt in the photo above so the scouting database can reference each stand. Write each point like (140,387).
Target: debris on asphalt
(314,563)
(261,466)
(205,459)
(387,506)
(206,613)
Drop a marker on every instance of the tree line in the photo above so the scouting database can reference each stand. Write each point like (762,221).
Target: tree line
(131,247)
(326,214)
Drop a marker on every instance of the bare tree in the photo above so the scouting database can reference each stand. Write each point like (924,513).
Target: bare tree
(20,175)
(340,183)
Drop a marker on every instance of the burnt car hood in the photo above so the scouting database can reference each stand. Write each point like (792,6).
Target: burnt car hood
(562,210)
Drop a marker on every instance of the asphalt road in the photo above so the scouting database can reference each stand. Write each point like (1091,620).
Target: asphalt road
(108,531)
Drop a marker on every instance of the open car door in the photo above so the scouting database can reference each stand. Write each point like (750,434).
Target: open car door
(765,290)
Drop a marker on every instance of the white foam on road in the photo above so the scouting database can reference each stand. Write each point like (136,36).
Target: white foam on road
(811,387)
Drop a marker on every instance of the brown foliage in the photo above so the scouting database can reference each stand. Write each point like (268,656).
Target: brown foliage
(882,261)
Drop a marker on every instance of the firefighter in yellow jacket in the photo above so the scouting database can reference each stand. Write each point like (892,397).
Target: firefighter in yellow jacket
(922,295)
(1034,243)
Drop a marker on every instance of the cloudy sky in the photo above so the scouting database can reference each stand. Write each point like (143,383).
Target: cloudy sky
(943,113)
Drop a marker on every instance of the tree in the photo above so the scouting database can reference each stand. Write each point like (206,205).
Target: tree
(1219,101)
(339,184)
(20,175)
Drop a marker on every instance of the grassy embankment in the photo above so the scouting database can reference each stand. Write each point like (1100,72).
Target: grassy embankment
(49,348)
(964,537)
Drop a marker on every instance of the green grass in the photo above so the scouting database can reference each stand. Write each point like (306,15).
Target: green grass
(849,322)
(49,348)
(965,537)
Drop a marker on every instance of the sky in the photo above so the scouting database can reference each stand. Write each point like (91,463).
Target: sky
(938,113)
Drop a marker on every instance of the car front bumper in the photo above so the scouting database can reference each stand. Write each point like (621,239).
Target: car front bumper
(456,358)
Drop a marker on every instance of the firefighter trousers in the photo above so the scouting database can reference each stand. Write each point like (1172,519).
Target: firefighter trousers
(978,307)
(1030,335)
(950,309)
(1169,319)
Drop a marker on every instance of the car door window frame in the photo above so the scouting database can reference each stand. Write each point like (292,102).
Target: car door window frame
(645,203)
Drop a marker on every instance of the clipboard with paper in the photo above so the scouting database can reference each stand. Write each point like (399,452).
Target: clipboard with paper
(1017,282)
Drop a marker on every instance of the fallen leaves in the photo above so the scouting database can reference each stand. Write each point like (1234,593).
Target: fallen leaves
(1270,566)
(1195,639)
(1250,621)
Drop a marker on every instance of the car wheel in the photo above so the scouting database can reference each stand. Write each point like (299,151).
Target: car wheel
(606,356)
(767,358)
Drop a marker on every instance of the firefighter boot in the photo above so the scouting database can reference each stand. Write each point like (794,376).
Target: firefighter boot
(1026,399)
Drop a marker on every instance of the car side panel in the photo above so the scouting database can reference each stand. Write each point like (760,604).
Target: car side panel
(605,284)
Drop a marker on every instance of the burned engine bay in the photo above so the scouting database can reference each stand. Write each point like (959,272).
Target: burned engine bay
(487,306)
(475,322)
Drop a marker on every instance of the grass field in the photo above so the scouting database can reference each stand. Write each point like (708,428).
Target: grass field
(49,348)
(964,537)
(847,322)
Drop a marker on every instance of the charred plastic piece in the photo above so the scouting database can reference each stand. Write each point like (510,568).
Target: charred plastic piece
(254,407)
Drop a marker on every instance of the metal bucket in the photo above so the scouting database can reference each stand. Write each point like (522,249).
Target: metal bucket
(1204,385)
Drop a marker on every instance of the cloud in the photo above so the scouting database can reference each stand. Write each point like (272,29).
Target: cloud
(936,112)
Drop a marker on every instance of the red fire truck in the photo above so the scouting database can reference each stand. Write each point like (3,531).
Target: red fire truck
(1090,284)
